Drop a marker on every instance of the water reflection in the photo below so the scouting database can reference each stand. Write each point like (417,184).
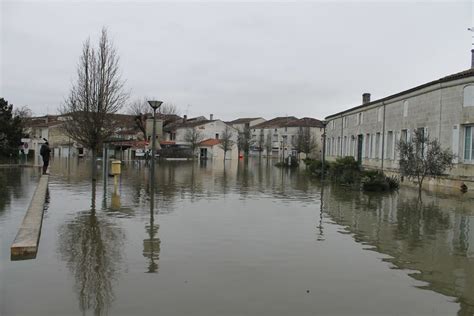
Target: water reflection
(432,238)
(91,246)
(13,185)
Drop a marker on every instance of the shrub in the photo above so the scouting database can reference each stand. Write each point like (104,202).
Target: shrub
(375,180)
(345,170)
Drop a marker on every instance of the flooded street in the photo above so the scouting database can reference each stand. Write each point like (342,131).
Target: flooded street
(241,239)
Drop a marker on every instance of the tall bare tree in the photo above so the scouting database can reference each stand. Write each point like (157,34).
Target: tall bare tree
(245,141)
(268,144)
(193,137)
(226,140)
(304,142)
(97,94)
(142,110)
(261,143)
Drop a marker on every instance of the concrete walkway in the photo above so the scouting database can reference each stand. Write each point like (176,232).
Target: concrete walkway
(25,245)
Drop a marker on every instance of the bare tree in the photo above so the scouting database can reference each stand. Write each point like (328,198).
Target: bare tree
(304,142)
(169,109)
(261,144)
(244,140)
(421,157)
(97,94)
(268,144)
(142,110)
(226,140)
(23,113)
(193,137)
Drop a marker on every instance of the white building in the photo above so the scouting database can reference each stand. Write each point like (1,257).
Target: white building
(281,135)
(212,149)
(243,123)
(442,109)
(175,133)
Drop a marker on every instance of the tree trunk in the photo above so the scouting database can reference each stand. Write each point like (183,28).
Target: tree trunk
(94,166)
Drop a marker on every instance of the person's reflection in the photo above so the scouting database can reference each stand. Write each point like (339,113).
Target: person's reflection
(91,247)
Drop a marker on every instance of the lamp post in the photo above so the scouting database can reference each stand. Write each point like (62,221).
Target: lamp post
(154,105)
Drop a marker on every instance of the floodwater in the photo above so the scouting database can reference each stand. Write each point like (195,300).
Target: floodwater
(241,239)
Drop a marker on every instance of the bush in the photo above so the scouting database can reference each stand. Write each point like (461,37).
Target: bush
(375,180)
(345,170)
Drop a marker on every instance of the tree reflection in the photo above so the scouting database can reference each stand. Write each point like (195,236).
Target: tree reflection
(91,247)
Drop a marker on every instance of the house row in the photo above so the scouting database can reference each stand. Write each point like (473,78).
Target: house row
(129,141)
(442,109)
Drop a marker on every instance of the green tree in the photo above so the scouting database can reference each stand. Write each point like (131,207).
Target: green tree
(11,130)
(421,157)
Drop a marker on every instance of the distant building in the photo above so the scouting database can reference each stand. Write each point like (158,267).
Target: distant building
(442,109)
(174,133)
(281,134)
(242,123)
(211,149)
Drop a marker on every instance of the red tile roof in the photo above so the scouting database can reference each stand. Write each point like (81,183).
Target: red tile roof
(210,142)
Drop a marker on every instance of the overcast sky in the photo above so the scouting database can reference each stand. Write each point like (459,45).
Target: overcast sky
(236,59)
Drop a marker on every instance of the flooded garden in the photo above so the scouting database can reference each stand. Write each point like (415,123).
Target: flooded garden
(244,238)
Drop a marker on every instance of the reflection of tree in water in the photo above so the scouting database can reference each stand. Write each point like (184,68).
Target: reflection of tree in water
(12,184)
(90,245)
(416,221)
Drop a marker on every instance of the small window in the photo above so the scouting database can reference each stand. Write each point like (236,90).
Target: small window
(217,135)
(405,108)
(468,143)
(380,114)
(468,98)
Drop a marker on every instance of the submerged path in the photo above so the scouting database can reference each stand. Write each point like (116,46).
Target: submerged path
(25,245)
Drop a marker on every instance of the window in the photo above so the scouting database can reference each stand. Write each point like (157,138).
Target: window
(468,97)
(338,145)
(468,143)
(372,146)
(405,108)
(380,114)
(344,148)
(217,135)
(389,153)
(345,121)
(367,146)
(377,145)
(404,135)
(360,118)
(421,132)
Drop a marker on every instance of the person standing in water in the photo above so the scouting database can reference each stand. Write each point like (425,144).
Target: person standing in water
(45,154)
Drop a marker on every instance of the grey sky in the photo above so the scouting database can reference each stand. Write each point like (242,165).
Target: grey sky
(237,59)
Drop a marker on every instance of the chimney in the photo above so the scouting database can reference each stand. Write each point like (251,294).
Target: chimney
(185,118)
(472,58)
(211,117)
(366,98)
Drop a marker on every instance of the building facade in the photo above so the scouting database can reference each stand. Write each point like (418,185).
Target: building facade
(278,137)
(442,109)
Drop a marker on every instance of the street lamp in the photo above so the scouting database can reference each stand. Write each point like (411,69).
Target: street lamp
(154,105)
